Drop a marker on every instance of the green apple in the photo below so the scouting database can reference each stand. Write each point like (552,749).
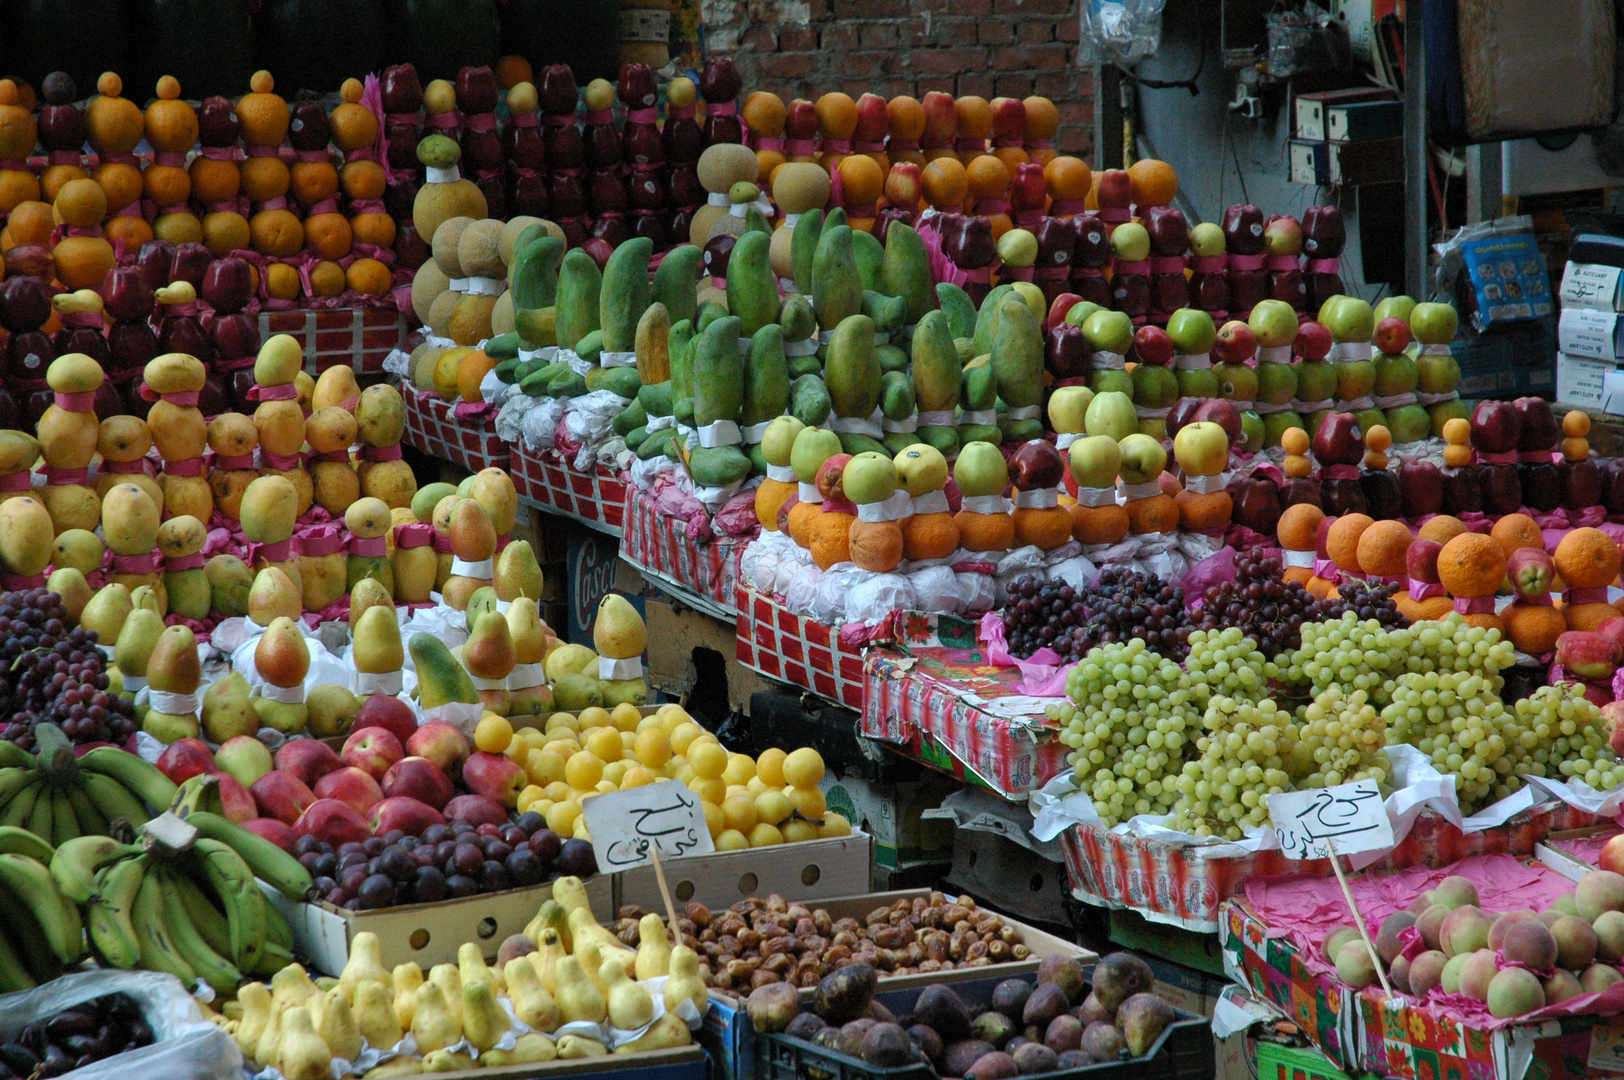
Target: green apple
(869,477)
(1079,312)
(244,758)
(1068,408)
(1434,324)
(1143,458)
(1436,373)
(778,441)
(1409,423)
(1130,242)
(1096,461)
(1354,379)
(1155,427)
(1197,382)
(921,468)
(1276,383)
(1275,426)
(1445,411)
(812,447)
(1316,380)
(1395,307)
(1395,374)
(1351,320)
(981,470)
(1154,387)
(1206,239)
(1369,418)
(1192,330)
(1236,382)
(1111,413)
(1251,432)
(1323,315)
(1274,323)
(1110,380)
(1201,448)
(1033,296)
(1109,331)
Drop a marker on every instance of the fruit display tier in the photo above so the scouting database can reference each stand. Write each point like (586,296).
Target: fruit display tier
(469,442)
(546,482)
(790,648)
(688,560)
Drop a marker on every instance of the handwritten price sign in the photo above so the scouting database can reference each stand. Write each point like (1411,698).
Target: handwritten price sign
(627,826)
(1341,820)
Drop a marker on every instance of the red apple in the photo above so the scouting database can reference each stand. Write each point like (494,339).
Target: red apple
(404,813)
(1223,413)
(350,785)
(496,776)
(282,795)
(1057,310)
(1532,573)
(238,804)
(477,810)
(1033,466)
(1151,345)
(1421,560)
(420,779)
(307,760)
(904,185)
(1283,236)
(273,830)
(372,750)
(387,711)
(184,759)
(440,742)
(1338,440)
(332,822)
(1116,189)
(1496,427)
(1235,343)
(1587,655)
(1392,336)
(1313,341)
(1183,412)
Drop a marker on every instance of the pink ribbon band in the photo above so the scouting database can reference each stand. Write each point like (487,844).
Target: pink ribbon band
(21,582)
(1167,264)
(989,207)
(1585,596)
(1424,590)
(1068,207)
(442,544)
(175,564)
(721,108)
(264,151)
(800,147)
(1506,457)
(1247,262)
(835,146)
(643,116)
(184,467)
(1208,264)
(55,477)
(1325,569)
(277,551)
(342,457)
(1323,266)
(483,121)
(867,146)
(83,401)
(148,562)
(898,145)
(17,481)
(286,392)
(127,468)
(970,143)
(279,462)
(1120,267)
(381,453)
(368,547)
(1474,605)
(316,541)
(412,536)
(1280,263)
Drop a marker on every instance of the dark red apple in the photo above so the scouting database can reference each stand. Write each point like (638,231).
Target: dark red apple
(1537,427)
(1223,413)
(1036,465)
(190,263)
(1421,487)
(1168,228)
(719,84)
(1496,427)
(309,129)
(1383,495)
(126,293)
(1313,341)
(1151,345)
(1339,440)
(1256,503)
(1243,230)
(477,90)
(1236,343)
(402,92)
(155,258)
(1065,352)
(229,284)
(1581,484)
(217,123)
(1392,336)
(1184,412)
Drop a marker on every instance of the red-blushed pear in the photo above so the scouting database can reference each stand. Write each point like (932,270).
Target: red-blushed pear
(441,743)
(245,758)
(1273,323)
(238,804)
(404,813)
(495,776)
(307,760)
(387,711)
(1613,629)
(372,750)
(350,785)
(184,759)
(476,810)
(273,830)
(282,796)
(418,778)
(332,822)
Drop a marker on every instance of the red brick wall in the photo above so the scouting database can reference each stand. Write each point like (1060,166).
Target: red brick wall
(989,48)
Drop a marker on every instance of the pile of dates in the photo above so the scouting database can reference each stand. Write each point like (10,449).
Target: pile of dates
(75,1037)
(758,942)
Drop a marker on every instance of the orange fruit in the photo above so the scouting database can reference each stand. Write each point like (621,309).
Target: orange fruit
(326,279)
(946,183)
(178,228)
(1382,546)
(225,231)
(1152,182)
(282,281)
(81,203)
(362,180)
(31,223)
(1342,541)
(1297,526)
(975,116)
(17,186)
(1458,431)
(1515,531)
(375,229)
(765,113)
(988,177)
(1457,455)
(861,180)
(166,185)
(121,183)
(1068,178)
(133,231)
(262,112)
(82,261)
(353,124)
(1587,559)
(170,122)
(329,235)
(1576,424)
(907,117)
(54,176)
(1472,565)
(1294,440)
(214,180)
(368,276)
(1441,529)
(265,178)
(1378,438)
(276,233)
(511,70)
(113,124)
(1534,628)
(837,115)
(1042,118)
(312,181)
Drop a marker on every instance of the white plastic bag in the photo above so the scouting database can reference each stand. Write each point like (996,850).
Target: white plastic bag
(1076,571)
(540,422)
(1018,563)
(185,1047)
(980,591)
(510,417)
(937,588)
(829,605)
(801,594)
(791,561)
(872,597)
(644,473)
(1159,554)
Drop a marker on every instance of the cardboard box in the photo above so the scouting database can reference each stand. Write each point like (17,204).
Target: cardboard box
(1586,332)
(995,854)
(1358,121)
(1592,286)
(426,934)
(1312,108)
(1322,164)
(682,1063)
(892,813)
(730,1037)
(596,499)
(1582,382)
(807,871)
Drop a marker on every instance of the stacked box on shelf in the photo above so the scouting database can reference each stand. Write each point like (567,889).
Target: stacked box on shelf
(799,650)
(432,427)
(702,571)
(596,499)
(1172,882)
(358,337)
(1589,333)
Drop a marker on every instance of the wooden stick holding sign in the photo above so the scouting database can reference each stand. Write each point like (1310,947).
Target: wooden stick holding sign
(1326,823)
(641,825)
(665,894)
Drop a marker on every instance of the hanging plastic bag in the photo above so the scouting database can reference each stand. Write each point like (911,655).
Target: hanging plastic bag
(1121,32)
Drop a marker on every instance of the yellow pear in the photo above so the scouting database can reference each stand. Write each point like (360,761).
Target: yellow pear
(375,1015)
(531,1001)
(256,1016)
(619,632)
(368,593)
(406,978)
(335,1023)
(484,1021)
(530,1049)
(577,997)
(493,489)
(70,585)
(653,948)
(136,640)
(684,982)
(365,964)
(434,1025)
(377,641)
(105,614)
(630,1006)
(518,574)
(448,977)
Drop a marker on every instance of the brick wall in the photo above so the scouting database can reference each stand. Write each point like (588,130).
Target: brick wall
(989,48)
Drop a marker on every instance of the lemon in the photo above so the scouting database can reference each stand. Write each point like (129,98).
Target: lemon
(732,840)
(583,771)
(740,812)
(795,831)
(614,771)
(605,787)
(494,734)
(708,759)
(770,767)
(772,807)
(594,716)
(626,717)
(712,791)
(808,801)
(714,819)
(740,768)
(561,818)
(531,794)
(604,744)
(803,768)
(765,835)
(835,825)
(683,735)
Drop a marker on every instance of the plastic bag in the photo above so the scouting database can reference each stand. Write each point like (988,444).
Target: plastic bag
(1119,31)
(591,417)
(645,474)
(937,588)
(1198,547)
(1159,554)
(980,591)
(540,423)
(1076,571)
(1117,554)
(186,1046)
(829,603)
(872,597)
(791,561)
(510,417)
(801,593)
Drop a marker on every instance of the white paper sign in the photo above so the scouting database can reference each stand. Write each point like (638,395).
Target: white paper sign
(1343,820)
(626,825)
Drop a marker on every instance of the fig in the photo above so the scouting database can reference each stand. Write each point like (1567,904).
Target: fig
(1034,1057)
(887,1046)
(844,994)
(941,1008)
(773,1006)
(1009,997)
(1119,976)
(1102,1042)
(1066,973)
(1143,1018)
(958,1057)
(1047,1002)
(992,1027)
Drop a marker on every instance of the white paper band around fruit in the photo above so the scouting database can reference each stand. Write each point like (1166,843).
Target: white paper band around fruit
(1064,439)
(931,502)
(481,683)
(482,570)
(524,676)
(1037,499)
(1145,413)
(984,504)
(983,417)
(906,426)
(804,347)
(1192,361)
(1023,412)
(376,682)
(1274,354)
(1147,490)
(172,703)
(617,359)
(1206,485)
(1108,361)
(809,493)
(448,175)
(1303,560)
(754,433)
(855,425)
(1095,497)
(610,669)
(783,474)
(936,418)
(287,695)
(720,433)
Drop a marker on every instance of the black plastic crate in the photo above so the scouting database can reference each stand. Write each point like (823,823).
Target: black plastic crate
(1185,1050)
(787,719)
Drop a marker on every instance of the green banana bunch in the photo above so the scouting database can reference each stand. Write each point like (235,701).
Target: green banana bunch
(41,930)
(58,797)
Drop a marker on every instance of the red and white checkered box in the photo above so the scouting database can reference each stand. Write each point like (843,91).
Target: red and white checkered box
(785,646)
(431,427)
(659,546)
(597,499)
(358,337)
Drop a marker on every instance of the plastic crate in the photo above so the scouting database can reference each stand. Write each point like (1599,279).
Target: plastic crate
(1185,1050)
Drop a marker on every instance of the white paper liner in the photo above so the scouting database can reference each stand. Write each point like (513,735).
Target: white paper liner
(853,425)
(1352,350)
(481,683)
(1093,496)
(486,286)
(1436,399)
(1023,412)
(524,676)
(739,210)
(1274,354)
(936,418)
(931,502)
(1299,405)
(171,703)
(791,220)
(1393,401)
(1108,361)
(1192,361)
(442,176)
(458,285)
(660,423)
(1205,485)
(784,474)
(984,504)
(1037,499)
(872,513)
(1146,490)
(617,359)
(134,684)
(1344,405)
(1303,559)
(483,569)
(720,433)
(984,417)
(881,337)
(1064,439)
(906,426)
(717,198)
(809,493)
(1437,350)
(287,695)
(376,682)
(754,433)
(630,667)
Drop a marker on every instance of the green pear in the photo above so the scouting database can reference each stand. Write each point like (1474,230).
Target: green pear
(145,596)
(428,497)
(377,642)
(517,572)
(618,631)
(136,640)
(228,710)
(70,585)
(104,615)
(229,583)
(480,601)
(330,710)
(623,692)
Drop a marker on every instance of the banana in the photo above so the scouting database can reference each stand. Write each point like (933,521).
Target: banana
(14,756)
(269,862)
(13,975)
(13,780)
(277,929)
(92,822)
(30,882)
(28,938)
(74,865)
(64,826)
(15,841)
(233,882)
(19,809)
(112,798)
(210,966)
(273,959)
(210,921)
(158,951)
(42,818)
(143,780)
(110,914)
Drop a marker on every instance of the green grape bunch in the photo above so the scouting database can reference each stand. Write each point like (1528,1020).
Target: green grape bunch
(1246,752)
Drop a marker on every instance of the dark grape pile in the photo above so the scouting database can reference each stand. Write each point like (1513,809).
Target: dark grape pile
(1271,611)
(447,862)
(1120,606)
(51,674)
